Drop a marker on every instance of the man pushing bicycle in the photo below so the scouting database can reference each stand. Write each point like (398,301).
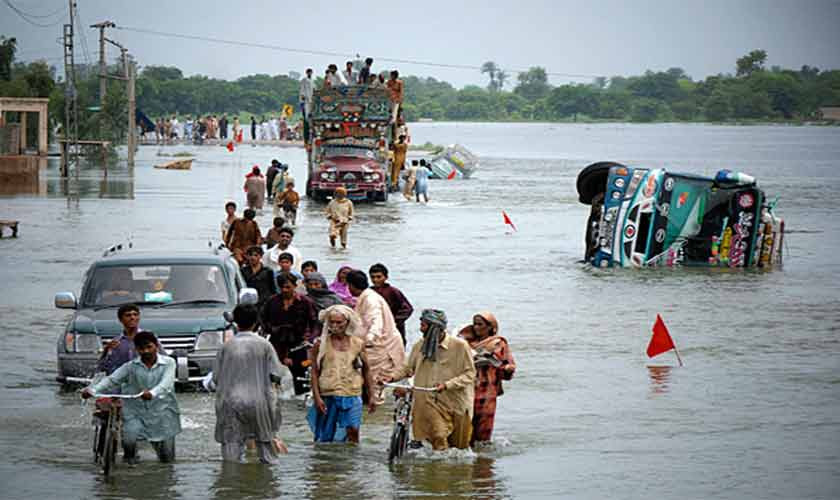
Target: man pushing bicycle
(154,414)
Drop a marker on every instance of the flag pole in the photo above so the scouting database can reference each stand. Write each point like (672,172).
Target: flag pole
(678,354)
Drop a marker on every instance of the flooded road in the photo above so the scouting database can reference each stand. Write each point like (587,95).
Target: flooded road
(755,413)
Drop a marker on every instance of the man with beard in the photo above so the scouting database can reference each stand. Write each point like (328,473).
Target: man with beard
(444,417)
(154,416)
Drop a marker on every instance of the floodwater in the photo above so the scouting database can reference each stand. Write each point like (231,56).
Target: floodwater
(754,413)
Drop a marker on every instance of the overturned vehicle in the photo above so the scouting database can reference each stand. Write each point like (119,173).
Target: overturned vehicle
(652,217)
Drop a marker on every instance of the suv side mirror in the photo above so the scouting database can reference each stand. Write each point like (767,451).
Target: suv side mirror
(248,297)
(65,300)
(228,316)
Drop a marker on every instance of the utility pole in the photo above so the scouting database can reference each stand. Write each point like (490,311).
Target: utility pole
(132,106)
(103,68)
(69,148)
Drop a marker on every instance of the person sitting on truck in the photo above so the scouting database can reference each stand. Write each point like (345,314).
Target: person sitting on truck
(348,74)
(364,73)
(333,77)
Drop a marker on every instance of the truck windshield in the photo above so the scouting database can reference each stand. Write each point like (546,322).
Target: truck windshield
(110,285)
(349,151)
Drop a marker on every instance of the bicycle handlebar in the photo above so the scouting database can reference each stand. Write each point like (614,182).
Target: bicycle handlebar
(409,387)
(118,396)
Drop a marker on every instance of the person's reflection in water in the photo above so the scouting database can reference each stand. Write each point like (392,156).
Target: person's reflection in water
(236,481)
(448,478)
(152,480)
(659,378)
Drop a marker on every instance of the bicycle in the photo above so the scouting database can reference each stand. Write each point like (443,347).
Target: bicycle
(402,419)
(107,429)
(305,380)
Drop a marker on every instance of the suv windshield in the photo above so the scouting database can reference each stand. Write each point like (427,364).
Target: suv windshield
(111,285)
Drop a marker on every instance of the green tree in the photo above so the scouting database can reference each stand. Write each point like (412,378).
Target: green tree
(571,100)
(490,69)
(646,110)
(161,73)
(501,78)
(750,63)
(718,107)
(8,47)
(533,84)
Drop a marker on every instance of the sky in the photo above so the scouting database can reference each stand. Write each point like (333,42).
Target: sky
(585,38)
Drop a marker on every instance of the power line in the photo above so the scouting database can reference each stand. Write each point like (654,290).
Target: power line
(331,53)
(28,17)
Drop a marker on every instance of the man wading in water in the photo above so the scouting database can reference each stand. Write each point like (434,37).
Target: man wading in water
(338,373)
(154,416)
(443,417)
(246,405)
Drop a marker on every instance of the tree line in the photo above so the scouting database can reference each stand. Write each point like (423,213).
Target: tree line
(753,92)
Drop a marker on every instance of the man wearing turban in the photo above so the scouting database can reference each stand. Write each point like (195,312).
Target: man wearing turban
(443,417)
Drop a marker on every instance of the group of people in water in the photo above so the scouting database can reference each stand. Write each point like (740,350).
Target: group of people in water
(345,339)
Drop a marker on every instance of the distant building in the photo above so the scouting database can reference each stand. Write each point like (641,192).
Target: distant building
(831,113)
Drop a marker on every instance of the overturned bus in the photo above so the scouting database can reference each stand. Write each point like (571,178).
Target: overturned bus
(643,217)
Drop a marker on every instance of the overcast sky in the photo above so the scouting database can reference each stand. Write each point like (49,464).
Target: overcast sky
(606,37)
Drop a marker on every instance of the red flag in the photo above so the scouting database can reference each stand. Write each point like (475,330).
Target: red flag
(661,340)
(507,220)
(452,174)
(230,146)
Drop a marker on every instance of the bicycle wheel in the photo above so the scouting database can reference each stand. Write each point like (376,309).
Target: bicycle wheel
(110,453)
(399,439)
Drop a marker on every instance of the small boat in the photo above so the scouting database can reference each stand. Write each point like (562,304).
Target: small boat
(455,161)
(183,164)
(644,217)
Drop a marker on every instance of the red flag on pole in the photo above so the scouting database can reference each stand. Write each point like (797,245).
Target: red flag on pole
(230,146)
(661,340)
(452,174)
(507,220)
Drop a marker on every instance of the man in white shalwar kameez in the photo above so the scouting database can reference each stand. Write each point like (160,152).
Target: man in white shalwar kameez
(383,342)
(246,405)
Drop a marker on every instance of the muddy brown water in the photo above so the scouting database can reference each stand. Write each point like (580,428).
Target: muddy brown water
(753,414)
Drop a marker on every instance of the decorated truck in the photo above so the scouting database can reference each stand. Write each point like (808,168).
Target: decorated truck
(642,217)
(349,134)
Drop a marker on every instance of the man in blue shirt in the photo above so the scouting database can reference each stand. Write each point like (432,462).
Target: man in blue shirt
(120,350)
(154,415)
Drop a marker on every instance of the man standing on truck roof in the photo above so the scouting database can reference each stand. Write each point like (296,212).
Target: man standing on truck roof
(305,94)
(395,93)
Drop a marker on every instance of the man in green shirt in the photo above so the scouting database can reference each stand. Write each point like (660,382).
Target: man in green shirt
(154,416)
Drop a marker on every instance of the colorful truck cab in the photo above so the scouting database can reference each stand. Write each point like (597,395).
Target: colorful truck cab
(652,217)
(350,133)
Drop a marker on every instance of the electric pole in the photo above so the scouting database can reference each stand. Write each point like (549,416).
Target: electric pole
(103,68)
(69,148)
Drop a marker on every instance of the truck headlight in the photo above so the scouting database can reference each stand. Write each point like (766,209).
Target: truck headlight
(209,340)
(325,175)
(82,342)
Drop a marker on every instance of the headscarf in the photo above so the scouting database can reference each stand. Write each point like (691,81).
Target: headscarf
(341,189)
(431,338)
(489,343)
(341,289)
(322,297)
(354,326)
(255,172)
